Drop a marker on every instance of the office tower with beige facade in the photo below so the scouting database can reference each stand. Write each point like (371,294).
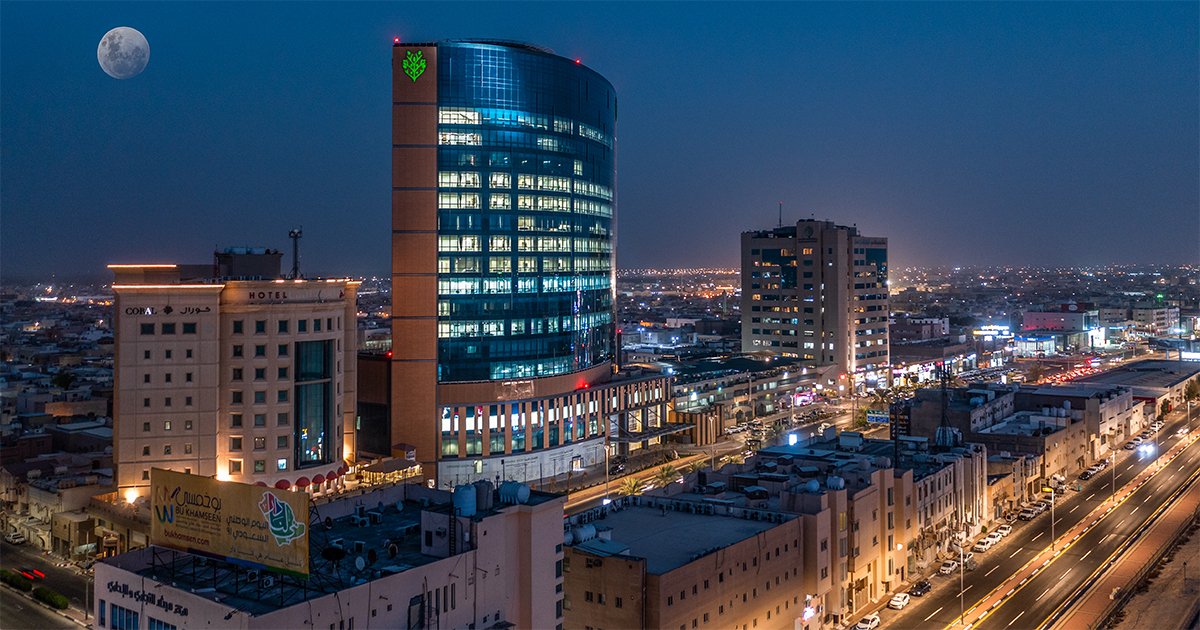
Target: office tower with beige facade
(503,205)
(818,291)
(249,380)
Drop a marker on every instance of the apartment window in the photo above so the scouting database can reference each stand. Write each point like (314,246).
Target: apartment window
(706,585)
(283,326)
(235,466)
(145,378)
(260,465)
(189,328)
(589,597)
(260,443)
(705,617)
(237,327)
(237,397)
(167,354)
(260,397)
(281,395)
(281,441)
(146,354)
(617,603)
(302,325)
(187,424)
(281,463)
(260,419)
(168,329)
(824,572)
(260,350)
(145,451)
(282,374)
(147,329)
(316,325)
(145,402)
(167,401)
(260,326)
(187,450)
(237,350)
(166,449)
(235,420)
(283,349)
(281,419)
(237,374)
(145,474)
(600,599)
(260,374)
(187,401)
(235,443)
(824,544)
(188,377)
(670,600)
(167,377)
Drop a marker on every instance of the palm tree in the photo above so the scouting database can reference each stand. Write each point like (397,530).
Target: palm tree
(697,466)
(666,475)
(1035,372)
(630,486)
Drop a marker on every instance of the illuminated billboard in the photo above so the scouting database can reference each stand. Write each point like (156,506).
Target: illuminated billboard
(245,524)
(878,416)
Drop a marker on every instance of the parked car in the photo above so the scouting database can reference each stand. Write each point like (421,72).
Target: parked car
(1004,530)
(899,601)
(994,537)
(1101,465)
(948,567)
(15,538)
(982,546)
(920,588)
(1130,445)
(870,622)
(1087,474)
(1027,514)
(1042,506)
(616,469)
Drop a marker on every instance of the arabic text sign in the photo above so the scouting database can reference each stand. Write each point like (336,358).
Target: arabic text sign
(878,416)
(241,523)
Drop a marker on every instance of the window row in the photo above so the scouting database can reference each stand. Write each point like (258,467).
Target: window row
(187,426)
(188,328)
(260,374)
(187,377)
(187,402)
(284,325)
(260,443)
(237,396)
(549,284)
(504,201)
(260,350)
(504,328)
(474,243)
(260,420)
(515,118)
(260,465)
(168,354)
(521,264)
(187,450)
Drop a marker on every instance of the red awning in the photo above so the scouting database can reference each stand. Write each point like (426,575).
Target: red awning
(259,483)
(283,484)
(343,470)
(302,482)
(331,475)
(319,479)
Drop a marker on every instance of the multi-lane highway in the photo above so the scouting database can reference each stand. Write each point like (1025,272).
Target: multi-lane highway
(1036,600)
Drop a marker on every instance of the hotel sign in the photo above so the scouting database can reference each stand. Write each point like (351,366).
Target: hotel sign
(254,526)
(287,294)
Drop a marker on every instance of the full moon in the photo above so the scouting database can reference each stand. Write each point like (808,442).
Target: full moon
(123,52)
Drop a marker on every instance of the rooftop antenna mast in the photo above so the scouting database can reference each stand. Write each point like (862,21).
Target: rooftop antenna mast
(780,214)
(295,236)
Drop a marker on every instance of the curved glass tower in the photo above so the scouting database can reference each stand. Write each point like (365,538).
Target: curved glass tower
(525,200)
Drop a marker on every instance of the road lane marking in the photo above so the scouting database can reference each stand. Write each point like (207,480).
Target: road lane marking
(965,590)
(1037,537)
(1039,598)
(1014,554)
(1120,524)
(1073,509)
(934,613)
(1135,509)
(1066,574)
(1086,554)
(990,572)
(1090,496)
(1016,618)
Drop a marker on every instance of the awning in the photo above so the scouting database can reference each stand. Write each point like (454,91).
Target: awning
(390,466)
(331,475)
(259,483)
(318,480)
(302,482)
(283,484)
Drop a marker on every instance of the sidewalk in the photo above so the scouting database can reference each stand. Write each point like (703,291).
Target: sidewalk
(1145,610)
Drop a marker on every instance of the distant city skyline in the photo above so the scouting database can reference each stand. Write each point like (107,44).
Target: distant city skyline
(1061,134)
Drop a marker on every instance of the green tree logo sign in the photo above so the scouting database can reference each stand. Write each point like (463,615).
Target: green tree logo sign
(414,65)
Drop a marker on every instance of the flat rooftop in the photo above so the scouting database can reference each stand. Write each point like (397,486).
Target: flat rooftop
(1152,373)
(672,541)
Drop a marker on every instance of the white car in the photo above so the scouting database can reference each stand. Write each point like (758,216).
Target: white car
(994,537)
(870,622)
(983,545)
(899,601)
(15,538)
(1004,530)
(948,567)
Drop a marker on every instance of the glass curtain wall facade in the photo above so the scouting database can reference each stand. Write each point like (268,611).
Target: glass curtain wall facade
(525,213)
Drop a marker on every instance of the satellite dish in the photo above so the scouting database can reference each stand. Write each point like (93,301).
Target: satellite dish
(400,506)
(381,506)
(372,556)
(359,563)
(328,523)
(392,551)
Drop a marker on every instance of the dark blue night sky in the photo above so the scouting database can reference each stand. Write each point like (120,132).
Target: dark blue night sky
(968,133)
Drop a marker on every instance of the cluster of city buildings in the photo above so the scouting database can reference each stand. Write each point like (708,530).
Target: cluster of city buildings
(425,418)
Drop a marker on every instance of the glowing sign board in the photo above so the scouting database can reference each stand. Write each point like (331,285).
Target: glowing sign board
(878,416)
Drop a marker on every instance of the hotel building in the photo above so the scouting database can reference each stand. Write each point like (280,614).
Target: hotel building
(503,206)
(249,380)
(818,291)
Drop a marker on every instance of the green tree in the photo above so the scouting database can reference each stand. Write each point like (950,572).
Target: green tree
(698,465)
(63,380)
(1035,372)
(666,475)
(630,486)
(1164,408)
(1192,390)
